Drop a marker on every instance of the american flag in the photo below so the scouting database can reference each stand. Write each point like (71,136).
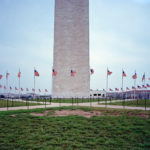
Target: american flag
(133,88)
(92,71)
(116,89)
(19,74)
(54,72)
(134,76)
(46,90)
(7,74)
(36,73)
(144,86)
(109,72)
(1,76)
(143,78)
(16,89)
(110,90)
(72,73)
(148,85)
(124,74)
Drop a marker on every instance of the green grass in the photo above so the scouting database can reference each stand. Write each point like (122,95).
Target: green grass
(74,100)
(137,103)
(74,132)
(67,100)
(5,103)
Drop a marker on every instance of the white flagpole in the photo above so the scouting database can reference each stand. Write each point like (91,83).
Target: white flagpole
(52,81)
(107,82)
(9,91)
(19,84)
(122,83)
(134,86)
(34,82)
(144,87)
(144,79)
(1,89)
(7,82)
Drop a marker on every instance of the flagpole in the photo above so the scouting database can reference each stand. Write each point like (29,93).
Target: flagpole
(134,86)
(1,88)
(7,82)
(52,81)
(126,94)
(34,82)
(9,91)
(19,84)
(19,88)
(144,79)
(107,82)
(145,87)
(122,83)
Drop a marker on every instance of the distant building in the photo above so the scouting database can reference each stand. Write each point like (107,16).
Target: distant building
(97,93)
(139,94)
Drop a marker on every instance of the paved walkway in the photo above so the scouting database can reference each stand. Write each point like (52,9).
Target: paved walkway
(92,104)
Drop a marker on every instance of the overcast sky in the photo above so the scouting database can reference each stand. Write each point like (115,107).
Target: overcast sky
(119,39)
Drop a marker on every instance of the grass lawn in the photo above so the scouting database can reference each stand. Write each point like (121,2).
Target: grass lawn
(20,130)
(137,103)
(68,100)
(5,103)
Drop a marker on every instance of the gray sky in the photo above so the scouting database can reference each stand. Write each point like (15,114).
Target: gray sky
(119,38)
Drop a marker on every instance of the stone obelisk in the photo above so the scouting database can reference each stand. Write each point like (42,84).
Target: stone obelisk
(71,49)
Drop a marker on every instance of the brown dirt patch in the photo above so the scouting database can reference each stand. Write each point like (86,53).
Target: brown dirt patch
(86,114)
(45,113)
(13,115)
(143,115)
(68,113)
(111,114)
(138,115)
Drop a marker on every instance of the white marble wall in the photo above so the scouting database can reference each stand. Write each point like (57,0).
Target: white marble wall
(71,48)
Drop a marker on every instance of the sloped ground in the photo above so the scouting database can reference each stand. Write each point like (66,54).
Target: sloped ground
(101,129)
(86,114)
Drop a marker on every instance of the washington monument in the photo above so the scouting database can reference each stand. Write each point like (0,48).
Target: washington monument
(71,49)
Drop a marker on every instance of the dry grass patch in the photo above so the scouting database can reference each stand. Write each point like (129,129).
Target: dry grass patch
(86,114)
(56,113)
(138,115)
(13,115)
